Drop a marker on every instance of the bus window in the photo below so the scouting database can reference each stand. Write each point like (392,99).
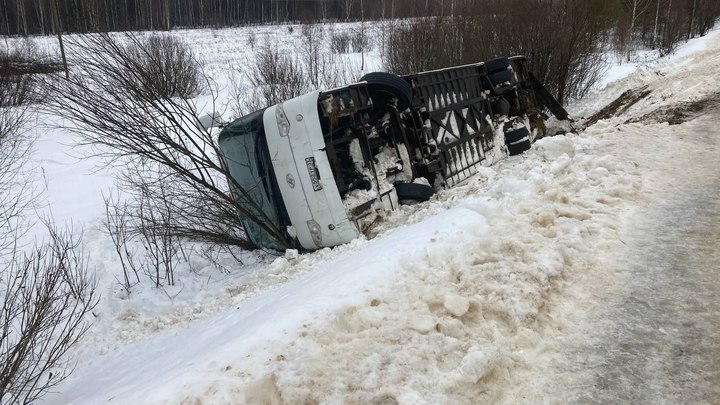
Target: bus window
(244,151)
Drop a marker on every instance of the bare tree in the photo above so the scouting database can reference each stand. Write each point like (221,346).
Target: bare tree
(636,9)
(348,7)
(691,20)
(131,127)
(27,17)
(657,21)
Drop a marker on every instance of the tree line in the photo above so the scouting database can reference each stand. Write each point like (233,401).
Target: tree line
(30,17)
(42,17)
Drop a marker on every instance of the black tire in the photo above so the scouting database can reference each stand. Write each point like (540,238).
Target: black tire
(501,78)
(383,87)
(413,191)
(497,65)
(501,106)
(516,135)
(518,148)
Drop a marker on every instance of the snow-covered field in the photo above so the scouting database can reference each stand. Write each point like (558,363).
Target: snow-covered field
(462,299)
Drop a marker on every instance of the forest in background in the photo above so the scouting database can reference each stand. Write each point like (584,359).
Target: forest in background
(43,17)
(27,17)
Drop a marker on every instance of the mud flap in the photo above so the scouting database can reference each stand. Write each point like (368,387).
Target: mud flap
(413,191)
(547,99)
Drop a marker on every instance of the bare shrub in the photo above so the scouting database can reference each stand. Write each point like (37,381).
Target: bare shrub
(575,63)
(670,38)
(336,71)
(147,234)
(46,297)
(24,57)
(156,141)
(44,294)
(421,44)
(311,50)
(562,40)
(325,70)
(163,65)
(16,90)
(16,192)
(673,27)
(277,76)
(359,41)
(631,17)
(659,24)
(252,39)
(707,15)
(146,243)
(244,98)
(20,64)
(117,226)
(340,42)
(154,221)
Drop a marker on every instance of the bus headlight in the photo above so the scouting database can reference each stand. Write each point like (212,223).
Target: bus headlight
(282,121)
(315,232)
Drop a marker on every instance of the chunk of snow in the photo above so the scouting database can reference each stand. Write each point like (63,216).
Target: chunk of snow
(551,148)
(456,305)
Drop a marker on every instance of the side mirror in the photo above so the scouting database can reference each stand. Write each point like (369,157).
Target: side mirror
(213,120)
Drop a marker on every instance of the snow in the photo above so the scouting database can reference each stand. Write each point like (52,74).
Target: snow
(274,316)
(457,300)
(645,59)
(616,72)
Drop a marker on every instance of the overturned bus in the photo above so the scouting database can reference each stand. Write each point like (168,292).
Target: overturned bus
(316,170)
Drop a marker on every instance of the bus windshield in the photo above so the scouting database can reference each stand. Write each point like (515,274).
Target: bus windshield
(245,152)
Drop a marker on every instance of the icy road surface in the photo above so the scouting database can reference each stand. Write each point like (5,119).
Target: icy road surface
(583,271)
(655,339)
(659,342)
